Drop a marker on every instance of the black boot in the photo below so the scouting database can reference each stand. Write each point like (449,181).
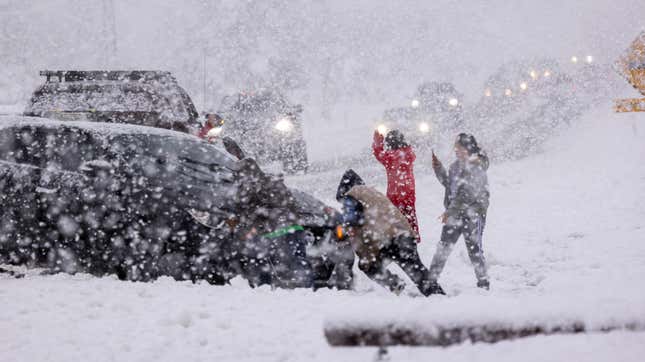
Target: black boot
(484,284)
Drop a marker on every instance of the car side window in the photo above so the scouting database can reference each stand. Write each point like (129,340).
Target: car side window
(21,145)
(7,144)
(66,148)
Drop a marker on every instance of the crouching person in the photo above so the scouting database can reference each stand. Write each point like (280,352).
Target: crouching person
(379,234)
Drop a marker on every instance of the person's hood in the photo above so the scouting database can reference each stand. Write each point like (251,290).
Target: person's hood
(349,180)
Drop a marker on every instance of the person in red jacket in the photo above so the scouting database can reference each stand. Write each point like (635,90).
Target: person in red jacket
(212,120)
(398,158)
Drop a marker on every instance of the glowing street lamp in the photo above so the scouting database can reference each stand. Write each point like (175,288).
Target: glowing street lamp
(487,92)
(574,59)
(508,92)
(415,103)
(523,86)
(547,73)
(589,59)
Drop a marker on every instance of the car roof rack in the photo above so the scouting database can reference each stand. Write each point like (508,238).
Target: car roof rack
(118,75)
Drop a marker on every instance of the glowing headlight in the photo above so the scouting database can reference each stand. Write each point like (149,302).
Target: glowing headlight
(424,127)
(382,129)
(533,74)
(214,132)
(547,73)
(508,92)
(453,102)
(415,103)
(589,59)
(284,125)
(487,92)
(574,59)
(523,86)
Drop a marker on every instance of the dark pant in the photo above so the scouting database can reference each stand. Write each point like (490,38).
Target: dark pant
(472,228)
(402,251)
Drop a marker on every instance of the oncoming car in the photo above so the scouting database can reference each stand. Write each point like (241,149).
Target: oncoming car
(435,111)
(267,126)
(141,202)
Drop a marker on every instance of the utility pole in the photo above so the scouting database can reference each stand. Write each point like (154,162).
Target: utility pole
(109,33)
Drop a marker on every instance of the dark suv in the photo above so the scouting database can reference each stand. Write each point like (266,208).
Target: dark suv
(150,98)
(141,202)
(267,126)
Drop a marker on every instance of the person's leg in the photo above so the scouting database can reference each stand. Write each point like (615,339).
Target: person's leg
(473,232)
(377,271)
(408,209)
(407,257)
(449,235)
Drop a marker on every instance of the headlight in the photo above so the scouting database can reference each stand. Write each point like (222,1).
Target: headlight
(533,74)
(415,103)
(523,86)
(453,102)
(382,129)
(487,92)
(424,127)
(547,73)
(284,125)
(574,59)
(214,132)
(508,92)
(589,59)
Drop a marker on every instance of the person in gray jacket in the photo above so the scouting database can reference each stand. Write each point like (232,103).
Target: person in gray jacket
(466,201)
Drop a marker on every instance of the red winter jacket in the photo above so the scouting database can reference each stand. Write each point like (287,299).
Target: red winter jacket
(400,178)
(204,131)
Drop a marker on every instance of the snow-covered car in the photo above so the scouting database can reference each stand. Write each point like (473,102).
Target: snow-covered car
(142,202)
(434,112)
(267,125)
(149,98)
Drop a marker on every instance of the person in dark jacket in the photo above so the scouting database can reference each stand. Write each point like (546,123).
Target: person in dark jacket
(398,159)
(466,201)
(379,234)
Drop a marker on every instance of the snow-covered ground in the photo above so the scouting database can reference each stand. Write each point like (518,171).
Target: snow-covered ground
(565,239)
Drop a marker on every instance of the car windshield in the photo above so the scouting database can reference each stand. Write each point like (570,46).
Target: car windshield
(174,150)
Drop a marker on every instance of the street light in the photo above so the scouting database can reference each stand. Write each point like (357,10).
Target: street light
(574,59)
(523,86)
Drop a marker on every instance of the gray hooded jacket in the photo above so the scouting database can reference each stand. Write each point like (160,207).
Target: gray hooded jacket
(466,185)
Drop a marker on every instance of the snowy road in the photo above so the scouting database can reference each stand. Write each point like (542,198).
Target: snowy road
(565,238)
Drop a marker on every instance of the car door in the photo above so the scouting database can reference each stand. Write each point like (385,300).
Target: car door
(21,237)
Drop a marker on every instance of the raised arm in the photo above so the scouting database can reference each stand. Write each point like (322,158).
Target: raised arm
(377,147)
(439,170)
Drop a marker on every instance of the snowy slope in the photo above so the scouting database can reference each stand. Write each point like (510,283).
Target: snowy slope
(565,238)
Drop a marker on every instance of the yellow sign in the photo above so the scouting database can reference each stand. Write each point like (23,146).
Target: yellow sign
(631,65)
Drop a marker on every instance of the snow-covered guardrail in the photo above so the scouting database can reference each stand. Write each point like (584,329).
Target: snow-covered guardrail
(480,319)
